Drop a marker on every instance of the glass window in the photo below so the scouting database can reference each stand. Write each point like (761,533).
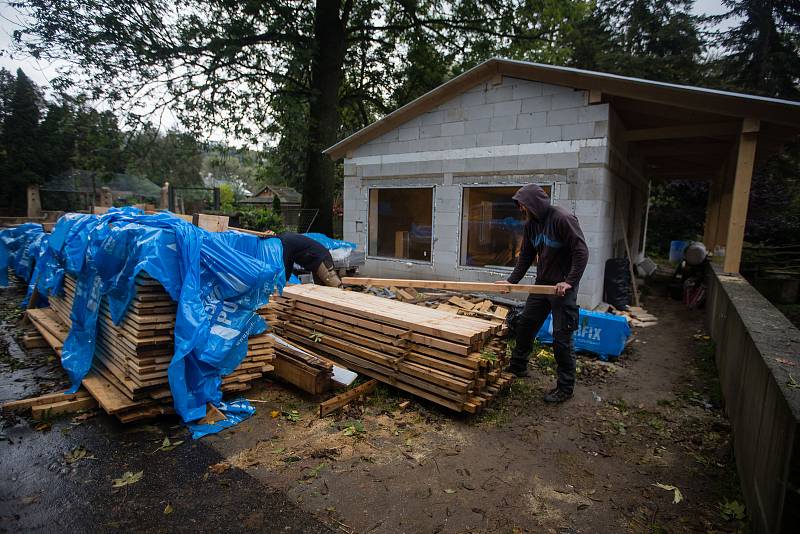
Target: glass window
(401,223)
(491,226)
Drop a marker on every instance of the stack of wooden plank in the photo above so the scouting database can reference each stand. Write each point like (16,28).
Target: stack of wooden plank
(129,376)
(301,367)
(449,359)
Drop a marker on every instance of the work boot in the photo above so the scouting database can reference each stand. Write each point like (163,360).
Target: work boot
(516,371)
(556,396)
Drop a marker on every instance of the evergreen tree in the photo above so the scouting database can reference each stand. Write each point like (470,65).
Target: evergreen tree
(20,140)
(762,52)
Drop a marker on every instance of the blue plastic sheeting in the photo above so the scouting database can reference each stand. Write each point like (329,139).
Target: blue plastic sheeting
(218,280)
(329,242)
(20,247)
(600,333)
(235,412)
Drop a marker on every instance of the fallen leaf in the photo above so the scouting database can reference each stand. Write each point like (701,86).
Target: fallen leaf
(784,361)
(274,414)
(449,491)
(41,427)
(168,509)
(219,468)
(30,500)
(128,478)
(677,495)
(78,453)
(168,445)
(84,416)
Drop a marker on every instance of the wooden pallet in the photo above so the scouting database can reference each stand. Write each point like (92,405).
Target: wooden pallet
(449,359)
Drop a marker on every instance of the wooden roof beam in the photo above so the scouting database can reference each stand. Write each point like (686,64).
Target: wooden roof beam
(716,129)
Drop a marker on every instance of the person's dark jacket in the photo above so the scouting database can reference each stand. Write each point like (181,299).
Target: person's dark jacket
(554,238)
(303,251)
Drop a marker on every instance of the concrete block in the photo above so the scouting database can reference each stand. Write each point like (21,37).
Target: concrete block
(594,154)
(368,170)
(546,134)
(416,121)
(448,234)
(505,163)
(393,169)
(349,169)
(445,259)
(448,192)
(473,98)
(432,117)
(573,99)
(511,107)
(548,89)
(478,112)
(592,208)
(447,205)
(463,141)
(499,94)
(526,89)
(388,137)
(583,130)
(532,120)
(433,130)
(566,160)
(430,167)
(407,134)
(596,175)
(490,139)
(454,102)
(532,162)
(454,165)
(435,143)
(562,116)
(499,124)
(572,176)
(537,103)
(479,165)
(516,137)
(398,147)
(454,114)
(453,128)
(477,126)
(600,128)
(593,113)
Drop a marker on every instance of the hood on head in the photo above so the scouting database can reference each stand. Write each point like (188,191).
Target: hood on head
(534,199)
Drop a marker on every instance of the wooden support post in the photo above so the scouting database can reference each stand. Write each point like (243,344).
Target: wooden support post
(740,197)
(595,96)
(34,202)
(712,211)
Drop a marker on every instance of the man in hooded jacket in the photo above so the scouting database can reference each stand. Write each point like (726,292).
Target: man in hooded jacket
(554,238)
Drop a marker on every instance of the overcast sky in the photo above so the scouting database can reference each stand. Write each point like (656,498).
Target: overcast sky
(41,72)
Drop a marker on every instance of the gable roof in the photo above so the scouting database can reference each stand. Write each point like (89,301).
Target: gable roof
(785,113)
(285,194)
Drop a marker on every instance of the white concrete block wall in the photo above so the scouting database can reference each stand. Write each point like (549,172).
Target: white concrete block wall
(516,132)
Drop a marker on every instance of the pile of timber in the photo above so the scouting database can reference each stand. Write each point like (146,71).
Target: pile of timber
(302,367)
(452,360)
(129,374)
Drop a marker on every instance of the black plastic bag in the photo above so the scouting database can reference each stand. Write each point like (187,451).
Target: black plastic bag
(617,283)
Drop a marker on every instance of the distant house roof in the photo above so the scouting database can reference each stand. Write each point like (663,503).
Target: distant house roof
(80,181)
(784,115)
(287,195)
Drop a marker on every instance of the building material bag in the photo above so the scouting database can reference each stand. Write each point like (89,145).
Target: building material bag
(600,333)
(339,249)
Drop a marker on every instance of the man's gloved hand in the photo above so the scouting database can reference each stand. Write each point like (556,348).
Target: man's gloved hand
(562,288)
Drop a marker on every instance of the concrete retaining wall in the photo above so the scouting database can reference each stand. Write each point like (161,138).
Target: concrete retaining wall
(757,349)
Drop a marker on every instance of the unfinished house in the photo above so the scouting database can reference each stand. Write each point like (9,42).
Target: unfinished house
(427,189)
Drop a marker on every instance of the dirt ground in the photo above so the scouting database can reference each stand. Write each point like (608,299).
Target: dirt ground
(593,464)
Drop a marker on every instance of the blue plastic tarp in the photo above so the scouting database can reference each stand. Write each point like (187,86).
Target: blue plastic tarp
(329,242)
(600,333)
(219,280)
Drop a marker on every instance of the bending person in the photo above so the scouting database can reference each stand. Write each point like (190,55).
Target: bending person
(311,256)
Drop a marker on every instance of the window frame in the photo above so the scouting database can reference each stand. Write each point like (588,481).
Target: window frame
(461,230)
(432,187)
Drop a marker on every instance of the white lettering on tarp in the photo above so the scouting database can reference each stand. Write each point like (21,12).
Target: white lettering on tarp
(227,307)
(589,332)
(224,332)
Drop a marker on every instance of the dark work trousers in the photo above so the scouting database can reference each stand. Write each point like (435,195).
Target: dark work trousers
(565,321)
